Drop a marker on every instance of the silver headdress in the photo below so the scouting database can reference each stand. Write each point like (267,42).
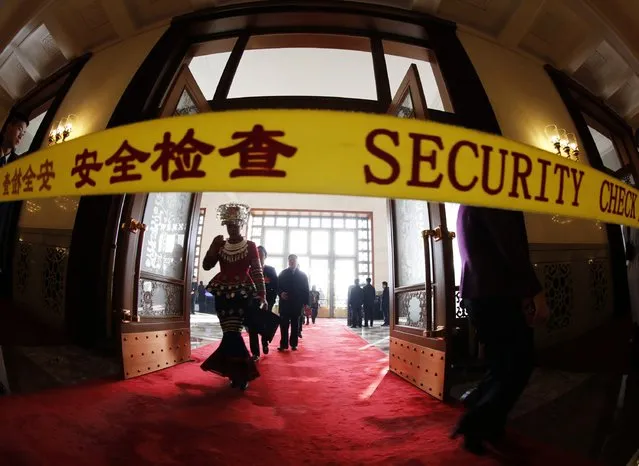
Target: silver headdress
(233,213)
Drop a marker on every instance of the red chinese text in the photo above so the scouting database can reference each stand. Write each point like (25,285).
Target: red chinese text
(85,163)
(258,152)
(186,155)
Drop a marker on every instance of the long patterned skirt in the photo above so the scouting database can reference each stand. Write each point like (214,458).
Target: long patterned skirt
(232,359)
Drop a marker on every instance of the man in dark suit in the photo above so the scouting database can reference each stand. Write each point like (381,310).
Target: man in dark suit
(293,291)
(14,131)
(369,302)
(355,301)
(385,304)
(270,280)
(498,284)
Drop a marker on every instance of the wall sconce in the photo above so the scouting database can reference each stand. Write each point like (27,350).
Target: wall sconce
(565,143)
(62,130)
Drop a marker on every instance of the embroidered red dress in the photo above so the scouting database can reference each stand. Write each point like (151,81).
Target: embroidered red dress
(236,287)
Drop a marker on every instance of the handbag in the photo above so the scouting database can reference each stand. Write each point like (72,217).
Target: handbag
(265,323)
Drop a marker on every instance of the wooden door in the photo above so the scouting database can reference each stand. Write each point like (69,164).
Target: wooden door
(154,262)
(422,299)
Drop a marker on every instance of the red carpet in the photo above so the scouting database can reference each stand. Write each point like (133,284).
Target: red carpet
(321,405)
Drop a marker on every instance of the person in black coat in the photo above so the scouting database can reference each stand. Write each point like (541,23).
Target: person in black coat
(14,131)
(270,280)
(355,301)
(293,291)
(385,304)
(369,302)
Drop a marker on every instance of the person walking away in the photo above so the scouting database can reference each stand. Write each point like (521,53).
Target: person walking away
(293,293)
(270,281)
(236,287)
(498,283)
(385,304)
(314,301)
(355,301)
(201,297)
(369,302)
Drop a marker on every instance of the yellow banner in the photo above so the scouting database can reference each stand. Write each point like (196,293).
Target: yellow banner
(321,152)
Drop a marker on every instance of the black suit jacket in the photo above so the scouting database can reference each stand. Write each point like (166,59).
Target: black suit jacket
(295,283)
(11,158)
(270,280)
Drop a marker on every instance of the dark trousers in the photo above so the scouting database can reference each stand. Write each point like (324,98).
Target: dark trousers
(314,311)
(385,314)
(368,314)
(509,352)
(292,321)
(254,342)
(356,319)
(202,304)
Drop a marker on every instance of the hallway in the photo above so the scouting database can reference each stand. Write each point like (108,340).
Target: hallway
(330,403)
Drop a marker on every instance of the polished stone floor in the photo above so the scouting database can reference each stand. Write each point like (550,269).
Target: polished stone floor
(205,329)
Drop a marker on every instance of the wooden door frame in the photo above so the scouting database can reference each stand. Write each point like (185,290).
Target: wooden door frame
(127,265)
(429,350)
(98,217)
(126,296)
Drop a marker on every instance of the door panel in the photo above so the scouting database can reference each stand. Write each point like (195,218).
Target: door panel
(154,262)
(422,294)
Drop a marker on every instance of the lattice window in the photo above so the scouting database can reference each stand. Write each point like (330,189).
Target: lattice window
(333,247)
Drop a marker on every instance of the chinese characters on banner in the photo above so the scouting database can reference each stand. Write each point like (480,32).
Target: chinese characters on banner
(29,181)
(258,150)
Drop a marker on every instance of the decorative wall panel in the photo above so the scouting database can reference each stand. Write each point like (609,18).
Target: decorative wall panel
(54,277)
(577,280)
(558,284)
(22,267)
(423,367)
(159,299)
(40,274)
(599,284)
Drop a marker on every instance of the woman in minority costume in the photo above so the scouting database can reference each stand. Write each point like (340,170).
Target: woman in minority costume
(238,289)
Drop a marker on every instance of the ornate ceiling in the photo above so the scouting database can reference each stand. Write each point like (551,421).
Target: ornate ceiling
(595,41)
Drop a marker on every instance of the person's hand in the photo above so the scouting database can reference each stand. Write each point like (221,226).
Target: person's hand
(218,242)
(284,296)
(542,313)
(263,304)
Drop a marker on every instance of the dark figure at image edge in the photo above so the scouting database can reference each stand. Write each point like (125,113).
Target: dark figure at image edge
(15,130)
(498,286)
(238,289)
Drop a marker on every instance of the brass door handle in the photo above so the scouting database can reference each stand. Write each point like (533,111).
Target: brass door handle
(133,226)
(436,234)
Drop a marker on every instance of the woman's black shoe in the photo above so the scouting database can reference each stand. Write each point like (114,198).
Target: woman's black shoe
(233,384)
(244,386)
(265,349)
